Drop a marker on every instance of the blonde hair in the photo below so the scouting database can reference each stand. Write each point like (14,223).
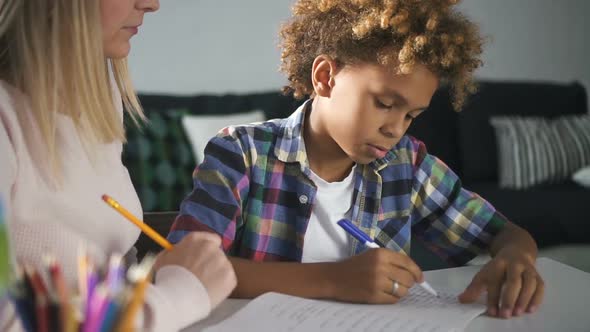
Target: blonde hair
(397,33)
(52,51)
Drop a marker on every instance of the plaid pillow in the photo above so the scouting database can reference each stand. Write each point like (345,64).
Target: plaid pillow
(536,150)
(159,159)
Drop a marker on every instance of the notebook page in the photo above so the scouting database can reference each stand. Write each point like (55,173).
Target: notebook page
(419,311)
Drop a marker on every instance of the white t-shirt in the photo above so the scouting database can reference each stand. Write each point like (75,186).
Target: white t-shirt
(324,240)
(44,219)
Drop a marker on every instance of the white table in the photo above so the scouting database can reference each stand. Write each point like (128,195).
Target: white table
(566,307)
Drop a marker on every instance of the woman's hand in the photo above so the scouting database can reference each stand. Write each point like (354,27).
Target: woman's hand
(200,253)
(512,283)
(370,276)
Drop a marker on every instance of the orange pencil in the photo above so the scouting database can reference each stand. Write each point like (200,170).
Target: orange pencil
(140,276)
(128,316)
(143,226)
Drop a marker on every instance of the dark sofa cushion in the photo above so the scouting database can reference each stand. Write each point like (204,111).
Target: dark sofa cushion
(159,159)
(553,214)
(273,104)
(158,154)
(476,135)
(161,222)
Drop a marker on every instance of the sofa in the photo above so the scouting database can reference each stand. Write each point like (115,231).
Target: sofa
(160,161)
(556,215)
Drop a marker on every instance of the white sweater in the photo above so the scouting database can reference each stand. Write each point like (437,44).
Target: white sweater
(42,219)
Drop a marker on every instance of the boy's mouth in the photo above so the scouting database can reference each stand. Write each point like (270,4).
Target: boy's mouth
(377,150)
(381,148)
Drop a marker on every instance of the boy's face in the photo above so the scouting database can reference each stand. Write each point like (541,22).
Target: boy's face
(369,108)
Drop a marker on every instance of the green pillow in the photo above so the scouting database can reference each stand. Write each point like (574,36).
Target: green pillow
(159,159)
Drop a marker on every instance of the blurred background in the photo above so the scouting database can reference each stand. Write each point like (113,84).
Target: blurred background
(202,65)
(221,46)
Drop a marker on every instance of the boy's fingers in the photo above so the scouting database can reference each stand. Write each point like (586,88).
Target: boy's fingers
(382,293)
(494,288)
(406,263)
(400,292)
(529,285)
(538,296)
(403,277)
(474,290)
(510,292)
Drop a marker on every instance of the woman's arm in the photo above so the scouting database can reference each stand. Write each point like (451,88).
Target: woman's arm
(8,162)
(190,280)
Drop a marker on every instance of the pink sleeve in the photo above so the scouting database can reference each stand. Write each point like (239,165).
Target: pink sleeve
(176,300)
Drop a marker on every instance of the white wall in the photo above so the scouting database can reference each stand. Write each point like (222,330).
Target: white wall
(534,39)
(210,46)
(221,46)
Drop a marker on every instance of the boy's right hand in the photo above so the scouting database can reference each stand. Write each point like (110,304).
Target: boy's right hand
(200,253)
(369,277)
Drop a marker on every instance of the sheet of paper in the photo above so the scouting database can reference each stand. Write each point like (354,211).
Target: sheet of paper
(419,311)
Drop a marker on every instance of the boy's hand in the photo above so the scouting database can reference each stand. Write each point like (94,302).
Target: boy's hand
(369,277)
(512,283)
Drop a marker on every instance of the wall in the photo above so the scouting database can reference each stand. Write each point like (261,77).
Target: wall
(209,46)
(221,46)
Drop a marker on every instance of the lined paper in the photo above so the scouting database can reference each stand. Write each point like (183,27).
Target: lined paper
(419,311)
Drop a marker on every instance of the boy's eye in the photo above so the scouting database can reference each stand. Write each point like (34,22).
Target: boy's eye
(381,104)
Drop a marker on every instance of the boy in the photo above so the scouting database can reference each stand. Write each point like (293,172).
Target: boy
(274,191)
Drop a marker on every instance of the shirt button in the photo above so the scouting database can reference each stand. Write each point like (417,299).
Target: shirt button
(303,199)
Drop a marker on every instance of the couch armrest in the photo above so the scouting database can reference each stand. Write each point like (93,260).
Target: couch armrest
(161,223)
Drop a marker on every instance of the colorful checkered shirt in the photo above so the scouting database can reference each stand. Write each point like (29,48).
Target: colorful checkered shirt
(254,189)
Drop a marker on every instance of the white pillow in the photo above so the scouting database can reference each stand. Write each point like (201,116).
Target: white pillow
(201,128)
(582,177)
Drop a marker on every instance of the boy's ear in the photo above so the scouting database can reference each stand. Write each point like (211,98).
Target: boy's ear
(322,75)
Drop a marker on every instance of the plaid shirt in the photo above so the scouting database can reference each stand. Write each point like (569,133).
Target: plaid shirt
(254,189)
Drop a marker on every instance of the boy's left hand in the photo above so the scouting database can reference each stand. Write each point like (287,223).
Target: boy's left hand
(512,283)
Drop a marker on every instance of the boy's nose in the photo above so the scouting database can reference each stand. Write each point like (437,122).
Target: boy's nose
(394,128)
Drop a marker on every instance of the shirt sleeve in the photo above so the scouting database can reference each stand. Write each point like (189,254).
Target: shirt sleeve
(176,300)
(220,185)
(8,162)
(9,320)
(453,222)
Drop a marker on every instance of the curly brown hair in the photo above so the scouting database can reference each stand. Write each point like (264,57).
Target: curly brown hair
(397,33)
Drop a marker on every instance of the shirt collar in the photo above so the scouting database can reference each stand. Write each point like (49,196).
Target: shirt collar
(290,146)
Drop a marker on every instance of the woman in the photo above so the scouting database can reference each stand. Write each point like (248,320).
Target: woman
(63,75)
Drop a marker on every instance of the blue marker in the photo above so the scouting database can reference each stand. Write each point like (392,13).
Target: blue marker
(368,242)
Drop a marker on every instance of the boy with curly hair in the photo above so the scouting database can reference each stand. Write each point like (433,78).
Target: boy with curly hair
(274,191)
